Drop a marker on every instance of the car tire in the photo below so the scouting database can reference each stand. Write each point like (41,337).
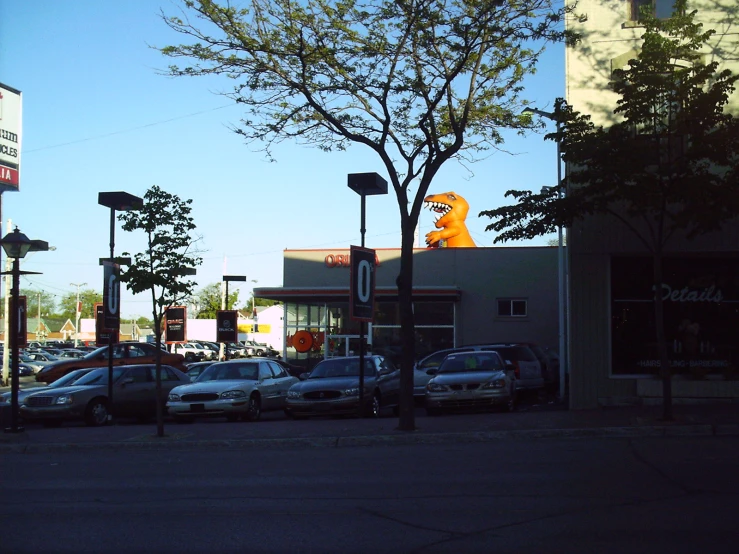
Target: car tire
(96,413)
(254,409)
(182,419)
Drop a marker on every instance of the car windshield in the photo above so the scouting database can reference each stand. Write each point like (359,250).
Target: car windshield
(341,367)
(69,378)
(241,371)
(99,376)
(470,361)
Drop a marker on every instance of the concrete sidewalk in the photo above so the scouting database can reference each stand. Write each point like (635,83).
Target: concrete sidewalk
(275,430)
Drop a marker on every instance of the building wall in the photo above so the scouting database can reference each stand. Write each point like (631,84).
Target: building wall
(482,275)
(609,41)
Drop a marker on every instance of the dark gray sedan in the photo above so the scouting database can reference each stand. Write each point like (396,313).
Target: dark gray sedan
(134,395)
(478,379)
(332,388)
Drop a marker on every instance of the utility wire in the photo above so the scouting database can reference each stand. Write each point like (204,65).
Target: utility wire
(127,130)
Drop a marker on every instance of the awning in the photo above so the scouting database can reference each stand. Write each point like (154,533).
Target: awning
(319,295)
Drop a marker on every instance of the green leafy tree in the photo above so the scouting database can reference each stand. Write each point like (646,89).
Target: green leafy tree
(166,221)
(47,303)
(88,298)
(669,166)
(418,82)
(208,301)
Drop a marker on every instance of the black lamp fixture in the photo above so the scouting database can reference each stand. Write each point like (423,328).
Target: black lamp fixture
(16,246)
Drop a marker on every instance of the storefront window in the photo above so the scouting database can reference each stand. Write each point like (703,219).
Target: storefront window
(701,312)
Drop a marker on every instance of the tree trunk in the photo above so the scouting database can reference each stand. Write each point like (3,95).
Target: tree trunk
(160,404)
(659,319)
(406,421)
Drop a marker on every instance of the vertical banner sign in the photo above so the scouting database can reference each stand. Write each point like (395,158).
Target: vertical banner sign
(10,138)
(362,284)
(112,295)
(226,326)
(175,324)
(102,334)
(23,322)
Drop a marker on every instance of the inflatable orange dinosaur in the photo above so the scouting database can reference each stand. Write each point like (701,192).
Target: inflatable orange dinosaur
(451,210)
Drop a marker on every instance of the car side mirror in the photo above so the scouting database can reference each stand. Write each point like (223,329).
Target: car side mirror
(510,367)
(303,376)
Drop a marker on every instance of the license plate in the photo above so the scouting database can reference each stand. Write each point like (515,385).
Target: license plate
(197,407)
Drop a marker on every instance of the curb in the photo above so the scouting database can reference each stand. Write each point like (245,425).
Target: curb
(182,442)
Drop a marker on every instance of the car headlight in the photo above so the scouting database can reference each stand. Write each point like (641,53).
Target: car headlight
(174,397)
(495,384)
(233,394)
(64,399)
(434,387)
(293,394)
(354,391)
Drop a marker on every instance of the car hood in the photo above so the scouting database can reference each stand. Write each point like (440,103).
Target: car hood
(72,389)
(218,386)
(465,377)
(329,383)
(22,393)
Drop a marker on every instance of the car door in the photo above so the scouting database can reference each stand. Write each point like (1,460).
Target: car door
(388,380)
(283,381)
(269,387)
(134,394)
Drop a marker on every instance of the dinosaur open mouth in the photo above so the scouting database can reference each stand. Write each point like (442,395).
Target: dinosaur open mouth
(439,209)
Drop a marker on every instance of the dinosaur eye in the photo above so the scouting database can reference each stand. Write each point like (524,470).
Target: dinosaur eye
(451,197)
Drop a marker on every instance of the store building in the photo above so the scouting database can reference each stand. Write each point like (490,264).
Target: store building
(613,356)
(461,296)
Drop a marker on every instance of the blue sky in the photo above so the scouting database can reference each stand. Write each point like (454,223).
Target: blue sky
(98,117)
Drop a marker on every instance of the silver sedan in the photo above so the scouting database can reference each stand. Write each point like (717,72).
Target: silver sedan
(477,379)
(235,389)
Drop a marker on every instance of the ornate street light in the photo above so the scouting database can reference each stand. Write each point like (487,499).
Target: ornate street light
(16,246)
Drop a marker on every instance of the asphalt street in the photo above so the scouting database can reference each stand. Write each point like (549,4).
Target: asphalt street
(677,495)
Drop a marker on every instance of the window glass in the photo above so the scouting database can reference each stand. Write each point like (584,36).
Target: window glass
(434,313)
(277,371)
(264,372)
(509,307)
(138,374)
(135,352)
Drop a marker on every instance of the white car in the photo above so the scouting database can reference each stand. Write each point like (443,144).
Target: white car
(236,389)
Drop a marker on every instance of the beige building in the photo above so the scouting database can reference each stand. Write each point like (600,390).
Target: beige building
(611,326)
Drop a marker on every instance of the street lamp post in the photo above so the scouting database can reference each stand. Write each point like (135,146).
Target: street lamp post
(77,312)
(227,279)
(562,304)
(16,246)
(122,202)
(364,184)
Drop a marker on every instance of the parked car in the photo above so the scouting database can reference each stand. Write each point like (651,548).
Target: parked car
(40,356)
(134,395)
(29,362)
(196,368)
(191,351)
(71,353)
(332,388)
(473,379)
(261,349)
(293,369)
(68,379)
(529,371)
(124,353)
(235,389)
